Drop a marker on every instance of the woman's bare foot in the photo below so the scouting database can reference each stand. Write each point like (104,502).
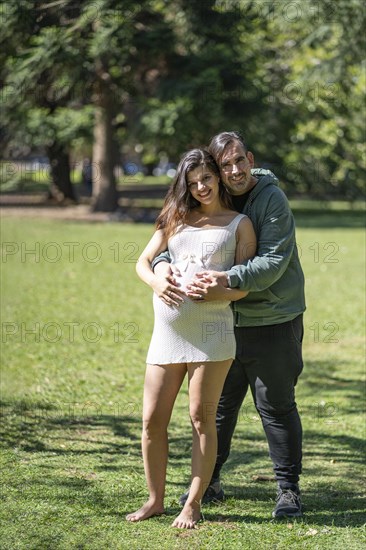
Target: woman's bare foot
(149,509)
(189,517)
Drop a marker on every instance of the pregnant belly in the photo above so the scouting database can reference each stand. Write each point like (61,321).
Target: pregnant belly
(189,312)
(187,274)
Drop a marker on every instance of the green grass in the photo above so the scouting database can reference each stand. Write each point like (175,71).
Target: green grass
(72,391)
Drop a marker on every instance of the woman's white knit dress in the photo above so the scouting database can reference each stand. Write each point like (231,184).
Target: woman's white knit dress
(195,332)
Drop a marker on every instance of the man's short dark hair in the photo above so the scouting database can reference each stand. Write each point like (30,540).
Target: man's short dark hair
(219,143)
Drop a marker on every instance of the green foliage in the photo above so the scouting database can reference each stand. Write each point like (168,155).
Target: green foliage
(291,76)
(42,105)
(319,83)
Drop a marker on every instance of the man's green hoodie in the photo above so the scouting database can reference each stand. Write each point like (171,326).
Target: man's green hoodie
(274,277)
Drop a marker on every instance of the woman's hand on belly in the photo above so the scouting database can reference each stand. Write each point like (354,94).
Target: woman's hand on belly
(166,284)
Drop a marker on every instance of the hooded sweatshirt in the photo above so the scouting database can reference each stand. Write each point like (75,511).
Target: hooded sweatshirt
(274,277)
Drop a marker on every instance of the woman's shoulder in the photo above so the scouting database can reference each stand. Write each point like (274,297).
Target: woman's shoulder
(244,228)
(237,217)
(224,218)
(230,216)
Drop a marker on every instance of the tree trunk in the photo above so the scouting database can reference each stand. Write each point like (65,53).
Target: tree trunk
(61,187)
(105,196)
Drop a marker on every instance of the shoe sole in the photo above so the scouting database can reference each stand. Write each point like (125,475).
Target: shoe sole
(284,515)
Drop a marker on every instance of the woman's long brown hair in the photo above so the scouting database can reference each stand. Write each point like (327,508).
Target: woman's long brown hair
(179,201)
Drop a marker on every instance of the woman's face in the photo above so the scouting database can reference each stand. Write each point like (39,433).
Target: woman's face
(203,184)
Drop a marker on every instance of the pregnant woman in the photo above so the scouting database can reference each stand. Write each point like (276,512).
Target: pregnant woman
(200,231)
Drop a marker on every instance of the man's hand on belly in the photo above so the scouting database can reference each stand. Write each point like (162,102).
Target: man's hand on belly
(208,286)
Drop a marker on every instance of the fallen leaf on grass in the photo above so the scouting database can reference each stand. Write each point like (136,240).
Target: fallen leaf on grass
(312,532)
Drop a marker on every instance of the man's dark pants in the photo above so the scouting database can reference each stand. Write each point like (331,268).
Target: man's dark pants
(269,361)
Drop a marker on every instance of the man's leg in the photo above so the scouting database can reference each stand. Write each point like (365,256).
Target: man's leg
(232,396)
(274,362)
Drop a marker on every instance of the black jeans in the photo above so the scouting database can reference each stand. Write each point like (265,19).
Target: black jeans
(269,360)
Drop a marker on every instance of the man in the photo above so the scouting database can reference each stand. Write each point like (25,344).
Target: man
(268,322)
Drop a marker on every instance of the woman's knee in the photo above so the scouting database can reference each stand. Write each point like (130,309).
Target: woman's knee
(153,426)
(203,417)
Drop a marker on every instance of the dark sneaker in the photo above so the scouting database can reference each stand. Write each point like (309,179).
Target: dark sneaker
(288,504)
(213,493)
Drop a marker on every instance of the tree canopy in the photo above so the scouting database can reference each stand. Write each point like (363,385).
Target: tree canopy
(166,75)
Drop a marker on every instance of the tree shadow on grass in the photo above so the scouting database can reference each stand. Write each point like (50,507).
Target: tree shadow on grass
(73,453)
(37,426)
(322,374)
(334,397)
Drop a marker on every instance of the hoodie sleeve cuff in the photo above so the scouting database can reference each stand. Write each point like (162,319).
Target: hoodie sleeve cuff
(159,259)
(232,279)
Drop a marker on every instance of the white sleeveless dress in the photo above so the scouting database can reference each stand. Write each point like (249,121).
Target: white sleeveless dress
(195,332)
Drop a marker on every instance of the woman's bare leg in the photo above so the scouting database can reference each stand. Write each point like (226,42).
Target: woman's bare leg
(205,385)
(162,384)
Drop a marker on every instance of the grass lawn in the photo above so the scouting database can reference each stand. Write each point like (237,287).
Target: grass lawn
(76,323)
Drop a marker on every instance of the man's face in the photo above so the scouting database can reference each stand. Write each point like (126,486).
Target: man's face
(235,168)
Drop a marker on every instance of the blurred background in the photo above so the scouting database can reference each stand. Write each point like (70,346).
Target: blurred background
(102,95)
